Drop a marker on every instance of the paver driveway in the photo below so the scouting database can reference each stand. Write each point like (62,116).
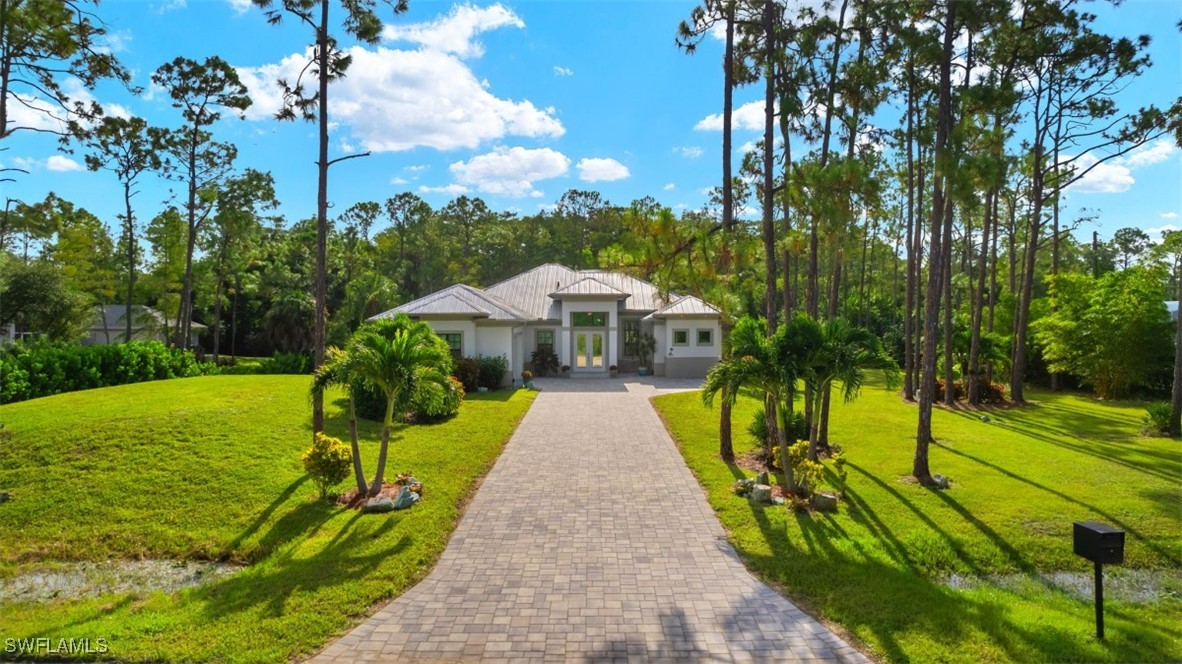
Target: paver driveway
(590,540)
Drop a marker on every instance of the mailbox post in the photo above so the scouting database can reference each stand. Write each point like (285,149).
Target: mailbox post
(1101,544)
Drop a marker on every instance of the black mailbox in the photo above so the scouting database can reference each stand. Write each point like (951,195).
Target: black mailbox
(1099,542)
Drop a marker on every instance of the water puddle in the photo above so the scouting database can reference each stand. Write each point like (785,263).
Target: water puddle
(1136,586)
(93,579)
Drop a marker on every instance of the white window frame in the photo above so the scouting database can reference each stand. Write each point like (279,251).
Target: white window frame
(440,334)
(674,340)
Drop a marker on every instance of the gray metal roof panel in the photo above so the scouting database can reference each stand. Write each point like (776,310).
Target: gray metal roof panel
(687,306)
(459,300)
(589,286)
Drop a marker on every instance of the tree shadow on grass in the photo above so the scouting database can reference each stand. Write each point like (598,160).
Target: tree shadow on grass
(1161,551)
(233,547)
(1160,464)
(864,594)
(349,555)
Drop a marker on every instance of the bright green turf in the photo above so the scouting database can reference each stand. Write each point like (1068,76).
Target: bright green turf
(209,468)
(1019,482)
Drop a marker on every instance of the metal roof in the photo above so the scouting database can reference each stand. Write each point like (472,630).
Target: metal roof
(530,290)
(589,287)
(528,296)
(687,306)
(114,317)
(459,300)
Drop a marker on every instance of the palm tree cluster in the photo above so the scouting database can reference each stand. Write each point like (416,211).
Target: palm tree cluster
(403,360)
(820,355)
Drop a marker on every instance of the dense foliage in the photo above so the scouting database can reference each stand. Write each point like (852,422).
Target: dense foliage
(327,462)
(29,371)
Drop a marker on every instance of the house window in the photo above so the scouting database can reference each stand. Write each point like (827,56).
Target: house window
(705,337)
(544,341)
(680,337)
(454,342)
(631,338)
(588,319)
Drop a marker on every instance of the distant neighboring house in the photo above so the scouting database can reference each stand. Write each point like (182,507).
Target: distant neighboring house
(592,319)
(1172,307)
(147,324)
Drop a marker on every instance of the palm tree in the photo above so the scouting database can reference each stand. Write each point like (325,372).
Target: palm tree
(765,363)
(835,352)
(399,358)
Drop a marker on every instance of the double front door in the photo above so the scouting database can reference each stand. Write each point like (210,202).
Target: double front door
(589,351)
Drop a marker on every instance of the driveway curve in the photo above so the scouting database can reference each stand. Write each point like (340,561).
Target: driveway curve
(590,540)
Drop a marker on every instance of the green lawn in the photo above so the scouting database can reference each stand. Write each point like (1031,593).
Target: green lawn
(208,468)
(1019,481)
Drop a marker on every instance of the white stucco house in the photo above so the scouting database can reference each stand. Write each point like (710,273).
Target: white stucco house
(591,319)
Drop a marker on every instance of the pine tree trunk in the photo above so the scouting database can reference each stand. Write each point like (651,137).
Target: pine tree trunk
(923,438)
(131,251)
(321,287)
(978,305)
(769,201)
(946,273)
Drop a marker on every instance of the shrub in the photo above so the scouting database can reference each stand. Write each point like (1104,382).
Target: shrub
(527,376)
(957,390)
(467,371)
(327,462)
(544,363)
(445,408)
(492,370)
(1157,418)
(286,363)
(29,371)
(795,427)
(992,392)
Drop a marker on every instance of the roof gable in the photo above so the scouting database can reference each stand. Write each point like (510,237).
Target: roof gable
(687,306)
(458,300)
(589,287)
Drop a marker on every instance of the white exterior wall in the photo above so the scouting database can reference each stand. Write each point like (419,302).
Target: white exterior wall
(466,328)
(692,325)
(494,340)
(661,349)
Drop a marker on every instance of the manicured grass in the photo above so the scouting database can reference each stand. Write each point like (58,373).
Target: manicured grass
(209,468)
(1019,481)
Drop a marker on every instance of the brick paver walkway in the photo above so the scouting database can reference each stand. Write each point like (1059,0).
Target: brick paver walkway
(590,540)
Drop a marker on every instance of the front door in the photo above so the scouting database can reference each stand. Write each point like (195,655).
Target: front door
(589,351)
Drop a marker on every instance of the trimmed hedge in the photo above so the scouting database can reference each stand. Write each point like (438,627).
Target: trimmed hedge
(30,371)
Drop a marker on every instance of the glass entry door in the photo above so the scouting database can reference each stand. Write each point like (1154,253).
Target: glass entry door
(589,351)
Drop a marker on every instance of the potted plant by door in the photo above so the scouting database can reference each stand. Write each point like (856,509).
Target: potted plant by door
(613,370)
(566,371)
(646,344)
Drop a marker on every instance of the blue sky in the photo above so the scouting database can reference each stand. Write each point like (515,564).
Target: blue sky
(515,102)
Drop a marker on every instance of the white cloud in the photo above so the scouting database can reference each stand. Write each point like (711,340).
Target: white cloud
(60,164)
(748,116)
(749,146)
(455,33)
(1148,155)
(1115,176)
(510,171)
(417,168)
(689,151)
(1106,178)
(396,181)
(169,5)
(25,163)
(1169,215)
(1158,233)
(450,190)
(669,187)
(394,99)
(240,7)
(562,72)
(601,170)
(115,41)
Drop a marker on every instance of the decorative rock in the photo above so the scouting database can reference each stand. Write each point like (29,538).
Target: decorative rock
(940,481)
(761,493)
(378,505)
(762,478)
(5,496)
(778,500)
(405,499)
(984,418)
(529,385)
(825,502)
